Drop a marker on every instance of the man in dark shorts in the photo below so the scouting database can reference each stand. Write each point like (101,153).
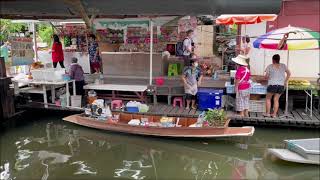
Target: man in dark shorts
(191,79)
(278,75)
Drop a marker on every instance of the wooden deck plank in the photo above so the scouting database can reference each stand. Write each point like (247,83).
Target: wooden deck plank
(303,114)
(186,112)
(154,108)
(167,110)
(313,118)
(198,113)
(316,114)
(192,112)
(160,109)
(296,115)
(180,111)
(174,110)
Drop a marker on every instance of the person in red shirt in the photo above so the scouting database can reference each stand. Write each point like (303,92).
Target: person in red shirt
(57,52)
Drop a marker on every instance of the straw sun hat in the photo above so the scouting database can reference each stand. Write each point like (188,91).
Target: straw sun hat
(241,60)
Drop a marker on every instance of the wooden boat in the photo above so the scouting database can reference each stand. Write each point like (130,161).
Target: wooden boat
(183,131)
(305,151)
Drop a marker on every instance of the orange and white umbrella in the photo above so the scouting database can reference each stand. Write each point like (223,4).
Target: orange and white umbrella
(230,19)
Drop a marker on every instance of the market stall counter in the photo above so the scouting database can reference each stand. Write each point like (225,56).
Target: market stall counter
(138,90)
(43,88)
(307,88)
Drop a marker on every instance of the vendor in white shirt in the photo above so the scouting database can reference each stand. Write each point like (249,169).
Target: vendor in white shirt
(245,46)
(188,47)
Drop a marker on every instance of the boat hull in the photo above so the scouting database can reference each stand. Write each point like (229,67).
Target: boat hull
(290,156)
(181,132)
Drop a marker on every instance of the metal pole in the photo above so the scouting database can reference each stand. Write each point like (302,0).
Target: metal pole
(286,114)
(287,88)
(151,50)
(35,41)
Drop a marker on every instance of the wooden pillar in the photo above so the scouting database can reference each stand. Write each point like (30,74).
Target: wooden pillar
(3,72)
(7,109)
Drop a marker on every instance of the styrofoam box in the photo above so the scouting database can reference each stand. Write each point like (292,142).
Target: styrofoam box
(37,74)
(49,74)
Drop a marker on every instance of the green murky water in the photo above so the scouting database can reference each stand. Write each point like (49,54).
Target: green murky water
(49,148)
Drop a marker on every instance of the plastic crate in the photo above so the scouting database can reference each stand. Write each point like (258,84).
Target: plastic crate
(257,105)
(76,101)
(255,89)
(230,89)
(209,98)
(254,105)
(258,89)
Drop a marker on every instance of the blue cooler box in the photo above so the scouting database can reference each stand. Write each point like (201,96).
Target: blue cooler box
(209,98)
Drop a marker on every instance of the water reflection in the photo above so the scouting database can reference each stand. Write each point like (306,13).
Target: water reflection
(61,150)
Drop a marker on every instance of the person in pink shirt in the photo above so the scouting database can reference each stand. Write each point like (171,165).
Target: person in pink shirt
(242,85)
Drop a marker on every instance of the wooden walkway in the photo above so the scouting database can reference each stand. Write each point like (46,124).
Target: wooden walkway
(300,118)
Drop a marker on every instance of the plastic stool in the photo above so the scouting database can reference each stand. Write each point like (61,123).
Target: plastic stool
(173,69)
(176,100)
(116,104)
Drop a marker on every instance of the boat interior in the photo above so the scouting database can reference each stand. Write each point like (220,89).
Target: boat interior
(124,118)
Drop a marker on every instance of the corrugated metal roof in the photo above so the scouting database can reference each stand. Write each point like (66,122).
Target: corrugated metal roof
(37,9)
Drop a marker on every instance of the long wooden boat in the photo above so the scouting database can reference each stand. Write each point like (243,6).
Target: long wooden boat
(304,151)
(183,131)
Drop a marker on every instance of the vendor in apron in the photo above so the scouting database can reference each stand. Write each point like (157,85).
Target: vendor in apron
(191,79)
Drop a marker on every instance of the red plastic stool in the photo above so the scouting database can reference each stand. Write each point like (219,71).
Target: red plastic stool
(178,100)
(116,104)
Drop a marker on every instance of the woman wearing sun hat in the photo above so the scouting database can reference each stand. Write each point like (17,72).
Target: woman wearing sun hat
(242,85)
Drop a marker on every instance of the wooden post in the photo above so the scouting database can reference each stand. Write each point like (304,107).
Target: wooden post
(2,67)
(7,109)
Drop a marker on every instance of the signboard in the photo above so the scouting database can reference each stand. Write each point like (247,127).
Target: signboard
(116,25)
(21,51)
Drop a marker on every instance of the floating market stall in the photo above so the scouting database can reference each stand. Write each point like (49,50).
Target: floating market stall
(291,38)
(128,41)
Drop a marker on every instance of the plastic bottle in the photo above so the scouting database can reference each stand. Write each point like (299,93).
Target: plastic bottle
(101,78)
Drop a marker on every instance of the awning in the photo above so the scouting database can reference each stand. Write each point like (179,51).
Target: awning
(245,19)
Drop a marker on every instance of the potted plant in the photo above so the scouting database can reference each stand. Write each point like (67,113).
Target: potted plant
(216,117)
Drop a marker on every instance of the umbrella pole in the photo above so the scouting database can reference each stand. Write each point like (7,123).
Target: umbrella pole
(286,114)
(151,51)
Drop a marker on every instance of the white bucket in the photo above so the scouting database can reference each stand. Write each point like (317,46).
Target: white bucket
(76,101)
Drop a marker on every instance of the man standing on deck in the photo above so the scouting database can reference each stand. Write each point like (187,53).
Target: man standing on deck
(188,47)
(192,78)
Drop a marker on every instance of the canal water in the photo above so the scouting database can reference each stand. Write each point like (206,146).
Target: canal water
(48,148)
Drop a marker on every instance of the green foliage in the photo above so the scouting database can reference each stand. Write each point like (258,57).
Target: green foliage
(7,28)
(45,32)
(216,117)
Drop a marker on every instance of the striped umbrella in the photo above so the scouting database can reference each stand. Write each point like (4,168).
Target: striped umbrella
(298,39)
(289,38)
